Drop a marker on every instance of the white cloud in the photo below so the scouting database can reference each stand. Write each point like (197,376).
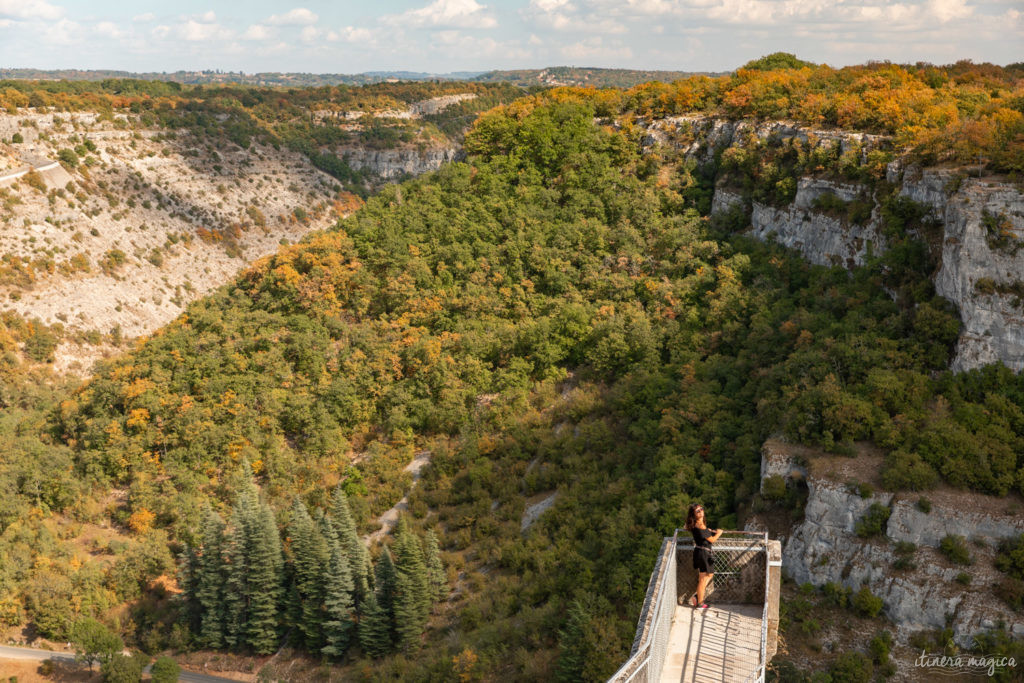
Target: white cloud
(207,17)
(300,16)
(197,32)
(30,9)
(352,34)
(108,29)
(467,14)
(161,31)
(256,32)
(594,48)
(63,32)
(146,17)
(309,34)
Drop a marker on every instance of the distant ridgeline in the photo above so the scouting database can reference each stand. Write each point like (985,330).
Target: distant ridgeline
(554,314)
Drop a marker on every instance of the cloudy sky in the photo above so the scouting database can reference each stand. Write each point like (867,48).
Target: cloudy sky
(344,36)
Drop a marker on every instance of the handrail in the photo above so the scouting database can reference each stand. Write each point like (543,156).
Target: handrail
(640,655)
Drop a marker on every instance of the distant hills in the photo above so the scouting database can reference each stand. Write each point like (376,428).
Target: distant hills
(550,76)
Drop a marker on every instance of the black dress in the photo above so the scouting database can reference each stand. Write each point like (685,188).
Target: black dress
(703,560)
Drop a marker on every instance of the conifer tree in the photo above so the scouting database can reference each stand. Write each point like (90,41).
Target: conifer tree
(236,583)
(436,577)
(338,606)
(374,628)
(355,550)
(411,605)
(309,563)
(265,564)
(384,578)
(210,581)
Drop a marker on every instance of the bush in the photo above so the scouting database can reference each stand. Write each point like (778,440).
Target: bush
(880,646)
(954,547)
(836,594)
(165,670)
(69,157)
(867,604)
(17,138)
(1010,559)
(851,667)
(924,505)
(963,578)
(773,488)
(908,471)
(874,521)
(121,669)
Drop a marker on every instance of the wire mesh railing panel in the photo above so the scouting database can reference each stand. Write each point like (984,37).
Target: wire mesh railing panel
(655,623)
(738,563)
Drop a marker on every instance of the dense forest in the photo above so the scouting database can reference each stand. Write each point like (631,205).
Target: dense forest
(553,315)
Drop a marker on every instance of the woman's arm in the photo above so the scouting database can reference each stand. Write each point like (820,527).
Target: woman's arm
(713,538)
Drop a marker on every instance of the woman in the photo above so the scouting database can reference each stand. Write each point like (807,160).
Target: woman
(703,561)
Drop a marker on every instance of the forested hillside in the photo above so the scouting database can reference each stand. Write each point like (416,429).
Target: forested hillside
(552,316)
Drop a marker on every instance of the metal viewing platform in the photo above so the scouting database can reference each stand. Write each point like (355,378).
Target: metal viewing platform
(730,641)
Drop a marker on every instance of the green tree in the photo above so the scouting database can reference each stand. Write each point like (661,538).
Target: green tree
(209,580)
(94,642)
(265,565)
(412,599)
(436,576)
(165,670)
(338,604)
(309,560)
(121,669)
(374,628)
(354,549)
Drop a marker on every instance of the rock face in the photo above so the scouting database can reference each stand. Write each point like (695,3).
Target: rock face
(393,164)
(825,547)
(982,248)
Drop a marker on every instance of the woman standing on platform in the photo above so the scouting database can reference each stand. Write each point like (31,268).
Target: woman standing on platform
(703,560)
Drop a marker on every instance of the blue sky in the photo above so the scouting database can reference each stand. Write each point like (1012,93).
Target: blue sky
(476,35)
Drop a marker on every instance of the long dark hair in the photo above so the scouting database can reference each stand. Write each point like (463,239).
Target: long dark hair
(691,517)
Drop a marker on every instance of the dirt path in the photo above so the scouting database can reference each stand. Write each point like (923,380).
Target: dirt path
(389,519)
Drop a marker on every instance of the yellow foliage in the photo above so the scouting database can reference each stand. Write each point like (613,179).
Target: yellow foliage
(141,520)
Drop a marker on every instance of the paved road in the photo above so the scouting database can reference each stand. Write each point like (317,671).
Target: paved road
(33,654)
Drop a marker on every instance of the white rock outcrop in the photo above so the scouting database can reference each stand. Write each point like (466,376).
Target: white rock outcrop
(992,314)
(824,547)
(392,164)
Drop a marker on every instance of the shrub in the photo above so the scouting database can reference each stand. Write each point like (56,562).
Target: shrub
(874,521)
(924,505)
(836,594)
(908,471)
(69,157)
(880,646)
(963,578)
(851,667)
(773,488)
(1010,559)
(954,547)
(17,138)
(165,670)
(867,604)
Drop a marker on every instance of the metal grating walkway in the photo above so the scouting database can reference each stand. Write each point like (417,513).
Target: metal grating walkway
(721,644)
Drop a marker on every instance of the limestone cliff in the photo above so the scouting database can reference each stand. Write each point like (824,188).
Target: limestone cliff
(981,220)
(824,546)
(394,164)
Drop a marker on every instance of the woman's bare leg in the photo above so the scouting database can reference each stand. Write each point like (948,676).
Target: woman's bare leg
(702,582)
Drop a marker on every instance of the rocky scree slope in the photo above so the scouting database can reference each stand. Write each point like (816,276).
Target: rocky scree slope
(124,232)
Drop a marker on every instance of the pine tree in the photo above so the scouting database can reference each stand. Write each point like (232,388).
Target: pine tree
(210,581)
(412,602)
(384,578)
(374,628)
(309,562)
(356,552)
(338,606)
(436,577)
(264,563)
(236,581)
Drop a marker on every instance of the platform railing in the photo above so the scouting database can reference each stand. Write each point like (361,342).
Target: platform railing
(737,580)
(647,656)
